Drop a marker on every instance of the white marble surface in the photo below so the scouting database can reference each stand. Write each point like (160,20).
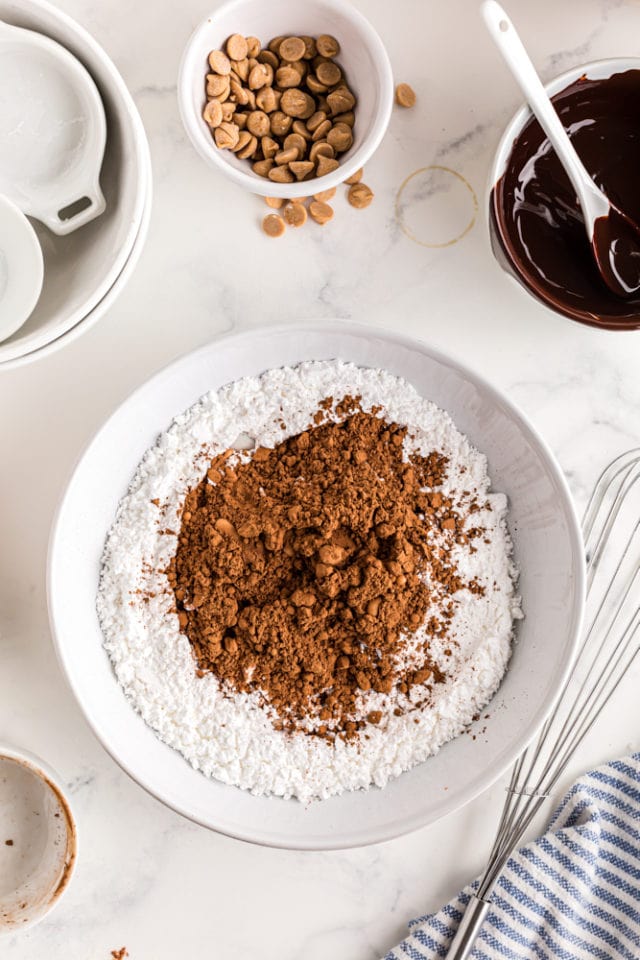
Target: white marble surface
(146,878)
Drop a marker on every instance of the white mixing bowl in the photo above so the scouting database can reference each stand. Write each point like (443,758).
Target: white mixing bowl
(82,267)
(362,55)
(548,548)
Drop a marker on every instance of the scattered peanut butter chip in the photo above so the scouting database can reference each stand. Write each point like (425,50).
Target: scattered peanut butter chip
(405,95)
(294,214)
(320,212)
(274,202)
(292,48)
(219,63)
(273,225)
(355,177)
(237,47)
(213,113)
(360,195)
(325,195)
(327,46)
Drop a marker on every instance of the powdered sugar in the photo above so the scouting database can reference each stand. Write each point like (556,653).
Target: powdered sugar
(232,738)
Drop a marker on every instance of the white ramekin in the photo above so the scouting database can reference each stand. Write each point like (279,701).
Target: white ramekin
(38,838)
(362,56)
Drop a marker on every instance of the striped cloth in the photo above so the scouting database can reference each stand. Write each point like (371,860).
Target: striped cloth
(573,894)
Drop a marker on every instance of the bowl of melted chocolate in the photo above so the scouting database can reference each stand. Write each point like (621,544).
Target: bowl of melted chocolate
(535,221)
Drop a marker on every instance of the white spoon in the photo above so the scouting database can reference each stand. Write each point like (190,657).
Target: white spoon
(613,236)
(52,131)
(21,268)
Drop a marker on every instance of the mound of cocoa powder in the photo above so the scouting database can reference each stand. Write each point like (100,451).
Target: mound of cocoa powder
(300,571)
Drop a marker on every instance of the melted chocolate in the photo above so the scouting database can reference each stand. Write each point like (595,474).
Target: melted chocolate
(535,212)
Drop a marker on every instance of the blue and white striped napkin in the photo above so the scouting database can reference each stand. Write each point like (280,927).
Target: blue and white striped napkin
(573,894)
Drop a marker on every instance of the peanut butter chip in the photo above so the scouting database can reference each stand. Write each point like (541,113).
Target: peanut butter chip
(219,63)
(253,47)
(294,214)
(286,156)
(340,137)
(258,123)
(226,135)
(297,103)
(287,77)
(280,174)
(327,46)
(217,86)
(405,95)
(262,167)
(355,177)
(325,195)
(273,225)
(325,165)
(360,195)
(293,48)
(329,74)
(237,47)
(274,202)
(213,113)
(301,168)
(320,212)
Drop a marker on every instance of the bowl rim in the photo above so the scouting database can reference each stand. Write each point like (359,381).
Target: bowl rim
(193,123)
(498,164)
(492,772)
(140,145)
(41,769)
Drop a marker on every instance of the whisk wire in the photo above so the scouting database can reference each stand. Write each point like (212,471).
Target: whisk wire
(609,646)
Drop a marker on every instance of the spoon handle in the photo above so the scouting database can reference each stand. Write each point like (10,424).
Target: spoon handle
(594,204)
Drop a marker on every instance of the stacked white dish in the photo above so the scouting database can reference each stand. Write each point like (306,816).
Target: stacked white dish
(85,270)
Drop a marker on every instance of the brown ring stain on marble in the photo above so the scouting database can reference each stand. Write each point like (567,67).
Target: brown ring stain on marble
(400,212)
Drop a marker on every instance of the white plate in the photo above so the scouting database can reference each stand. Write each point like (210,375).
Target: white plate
(81,267)
(548,546)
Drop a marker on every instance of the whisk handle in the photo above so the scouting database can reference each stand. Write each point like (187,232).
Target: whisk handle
(466,935)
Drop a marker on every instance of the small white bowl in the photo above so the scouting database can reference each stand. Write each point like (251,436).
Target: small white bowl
(21,268)
(38,840)
(80,268)
(598,70)
(362,56)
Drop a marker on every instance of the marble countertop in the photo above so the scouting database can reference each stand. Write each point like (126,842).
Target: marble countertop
(146,878)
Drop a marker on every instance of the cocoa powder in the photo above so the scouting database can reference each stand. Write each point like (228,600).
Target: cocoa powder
(300,570)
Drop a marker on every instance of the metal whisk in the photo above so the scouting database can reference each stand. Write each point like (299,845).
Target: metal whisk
(610,643)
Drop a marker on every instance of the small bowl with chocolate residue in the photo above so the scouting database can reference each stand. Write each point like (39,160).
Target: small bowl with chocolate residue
(38,840)
(535,223)
(361,57)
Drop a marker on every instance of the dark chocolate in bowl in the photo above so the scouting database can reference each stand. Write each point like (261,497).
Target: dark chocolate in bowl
(536,224)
